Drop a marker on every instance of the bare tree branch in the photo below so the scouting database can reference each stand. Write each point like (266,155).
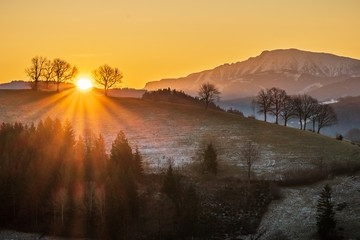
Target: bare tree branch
(63,72)
(35,71)
(107,77)
(208,93)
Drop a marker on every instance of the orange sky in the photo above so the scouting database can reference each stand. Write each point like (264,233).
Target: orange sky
(153,39)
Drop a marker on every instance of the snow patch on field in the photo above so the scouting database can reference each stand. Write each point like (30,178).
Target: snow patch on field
(295,214)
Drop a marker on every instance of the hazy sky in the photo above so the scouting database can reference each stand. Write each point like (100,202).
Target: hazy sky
(153,39)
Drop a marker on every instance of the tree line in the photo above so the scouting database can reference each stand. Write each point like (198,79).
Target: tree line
(57,70)
(276,102)
(60,71)
(178,97)
(49,180)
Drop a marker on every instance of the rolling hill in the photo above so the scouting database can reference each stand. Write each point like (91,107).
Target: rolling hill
(165,131)
(294,70)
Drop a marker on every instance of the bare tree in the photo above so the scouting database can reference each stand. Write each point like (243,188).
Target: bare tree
(63,72)
(315,115)
(250,152)
(264,102)
(48,73)
(298,109)
(304,108)
(35,71)
(59,201)
(287,110)
(208,93)
(253,106)
(326,117)
(107,77)
(309,107)
(277,97)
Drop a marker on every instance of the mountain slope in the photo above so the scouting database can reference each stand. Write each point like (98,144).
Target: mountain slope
(164,130)
(291,69)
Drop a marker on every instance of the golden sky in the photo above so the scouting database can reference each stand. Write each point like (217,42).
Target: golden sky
(153,39)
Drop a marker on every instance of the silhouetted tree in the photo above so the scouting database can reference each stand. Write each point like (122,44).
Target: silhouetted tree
(277,98)
(208,93)
(263,101)
(326,117)
(315,115)
(250,152)
(304,108)
(210,162)
(287,110)
(138,164)
(63,72)
(107,77)
(121,156)
(325,220)
(35,71)
(172,187)
(48,73)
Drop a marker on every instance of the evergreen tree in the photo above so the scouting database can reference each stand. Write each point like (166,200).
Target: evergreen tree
(172,187)
(137,164)
(210,159)
(325,214)
(121,154)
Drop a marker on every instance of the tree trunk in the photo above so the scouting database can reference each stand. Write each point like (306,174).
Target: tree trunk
(318,131)
(264,116)
(105,92)
(300,123)
(313,125)
(285,122)
(304,124)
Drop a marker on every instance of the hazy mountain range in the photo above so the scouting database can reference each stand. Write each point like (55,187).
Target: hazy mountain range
(321,75)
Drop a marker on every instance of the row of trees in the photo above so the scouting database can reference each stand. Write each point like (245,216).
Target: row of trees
(57,70)
(50,188)
(178,97)
(60,71)
(276,102)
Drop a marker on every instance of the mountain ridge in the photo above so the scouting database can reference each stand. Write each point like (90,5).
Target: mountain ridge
(294,70)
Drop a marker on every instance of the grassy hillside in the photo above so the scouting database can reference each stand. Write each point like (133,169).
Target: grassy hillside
(164,130)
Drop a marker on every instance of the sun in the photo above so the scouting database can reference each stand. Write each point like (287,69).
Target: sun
(84,84)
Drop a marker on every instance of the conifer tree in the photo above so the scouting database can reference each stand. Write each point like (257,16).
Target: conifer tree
(172,188)
(325,214)
(210,159)
(137,164)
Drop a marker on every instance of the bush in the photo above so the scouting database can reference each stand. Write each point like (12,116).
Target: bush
(235,111)
(339,137)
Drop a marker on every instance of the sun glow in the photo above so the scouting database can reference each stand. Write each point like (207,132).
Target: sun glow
(84,84)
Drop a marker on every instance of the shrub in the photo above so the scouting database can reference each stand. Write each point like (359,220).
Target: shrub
(235,111)
(339,137)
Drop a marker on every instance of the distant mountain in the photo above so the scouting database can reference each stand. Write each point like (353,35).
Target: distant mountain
(294,70)
(15,85)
